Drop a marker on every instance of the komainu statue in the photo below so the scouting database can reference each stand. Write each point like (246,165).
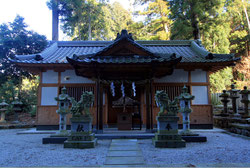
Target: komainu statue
(167,107)
(162,101)
(81,108)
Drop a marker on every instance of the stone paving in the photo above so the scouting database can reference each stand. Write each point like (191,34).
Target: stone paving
(124,152)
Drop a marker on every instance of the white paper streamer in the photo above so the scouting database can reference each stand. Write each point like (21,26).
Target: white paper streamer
(112,87)
(123,90)
(134,88)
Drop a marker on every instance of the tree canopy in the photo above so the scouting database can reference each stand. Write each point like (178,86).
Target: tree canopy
(15,39)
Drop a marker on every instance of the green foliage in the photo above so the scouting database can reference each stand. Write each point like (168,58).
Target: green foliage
(15,39)
(27,94)
(91,19)
(157,24)
(116,18)
(221,80)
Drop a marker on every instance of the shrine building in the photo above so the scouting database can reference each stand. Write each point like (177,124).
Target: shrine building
(124,75)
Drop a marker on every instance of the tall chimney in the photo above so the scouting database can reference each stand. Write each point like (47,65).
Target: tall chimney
(55,21)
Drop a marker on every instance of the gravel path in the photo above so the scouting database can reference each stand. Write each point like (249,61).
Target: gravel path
(220,149)
(28,150)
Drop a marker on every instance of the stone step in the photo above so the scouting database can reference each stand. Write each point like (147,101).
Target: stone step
(125,153)
(125,160)
(124,148)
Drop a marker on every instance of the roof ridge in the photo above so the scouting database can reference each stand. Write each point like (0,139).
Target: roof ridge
(199,49)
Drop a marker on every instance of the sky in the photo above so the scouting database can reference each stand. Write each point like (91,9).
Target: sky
(36,14)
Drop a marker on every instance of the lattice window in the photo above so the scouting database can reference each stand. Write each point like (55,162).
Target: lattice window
(76,91)
(172,91)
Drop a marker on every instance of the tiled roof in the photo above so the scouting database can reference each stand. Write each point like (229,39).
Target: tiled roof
(189,50)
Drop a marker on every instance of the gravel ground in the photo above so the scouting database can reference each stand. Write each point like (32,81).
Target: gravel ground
(28,150)
(220,149)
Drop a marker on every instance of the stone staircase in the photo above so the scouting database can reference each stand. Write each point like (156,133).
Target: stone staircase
(124,152)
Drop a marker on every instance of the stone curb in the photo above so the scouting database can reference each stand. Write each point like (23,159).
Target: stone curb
(16,126)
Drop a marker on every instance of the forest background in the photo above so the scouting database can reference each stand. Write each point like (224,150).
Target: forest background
(222,26)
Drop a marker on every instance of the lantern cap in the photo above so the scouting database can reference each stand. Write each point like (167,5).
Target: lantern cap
(233,88)
(245,90)
(16,101)
(3,103)
(224,94)
(185,95)
(63,96)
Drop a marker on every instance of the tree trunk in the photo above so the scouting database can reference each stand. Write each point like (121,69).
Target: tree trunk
(55,21)
(89,20)
(245,11)
(194,22)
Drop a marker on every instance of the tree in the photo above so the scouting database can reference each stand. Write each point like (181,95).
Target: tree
(157,23)
(116,18)
(189,15)
(238,12)
(15,39)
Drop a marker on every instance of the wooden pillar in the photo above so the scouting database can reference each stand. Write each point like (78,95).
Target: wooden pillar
(148,107)
(99,107)
(151,106)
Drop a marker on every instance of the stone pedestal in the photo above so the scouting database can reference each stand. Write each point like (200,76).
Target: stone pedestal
(167,135)
(81,135)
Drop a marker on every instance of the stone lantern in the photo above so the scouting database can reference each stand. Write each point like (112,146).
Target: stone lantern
(224,99)
(234,95)
(64,102)
(245,100)
(17,107)
(3,109)
(185,109)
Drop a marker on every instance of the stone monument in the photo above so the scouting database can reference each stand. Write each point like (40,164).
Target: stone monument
(167,127)
(3,109)
(17,108)
(225,100)
(81,135)
(185,104)
(64,101)
(245,100)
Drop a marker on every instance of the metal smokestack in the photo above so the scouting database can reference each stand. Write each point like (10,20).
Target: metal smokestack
(55,21)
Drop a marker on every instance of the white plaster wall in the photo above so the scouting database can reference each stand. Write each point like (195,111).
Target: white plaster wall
(201,95)
(73,78)
(50,77)
(178,76)
(48,96)
(198,76)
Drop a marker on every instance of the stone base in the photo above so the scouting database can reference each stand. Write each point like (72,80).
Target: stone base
(80,144)
(194,138)
(3,121)
(54,140)
(188,133)
(168,141)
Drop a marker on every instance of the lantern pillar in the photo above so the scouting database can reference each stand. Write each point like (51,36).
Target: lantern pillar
(224,99)
(64,101)
(234,95)
(3,109)
(185,109)
(245,100)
